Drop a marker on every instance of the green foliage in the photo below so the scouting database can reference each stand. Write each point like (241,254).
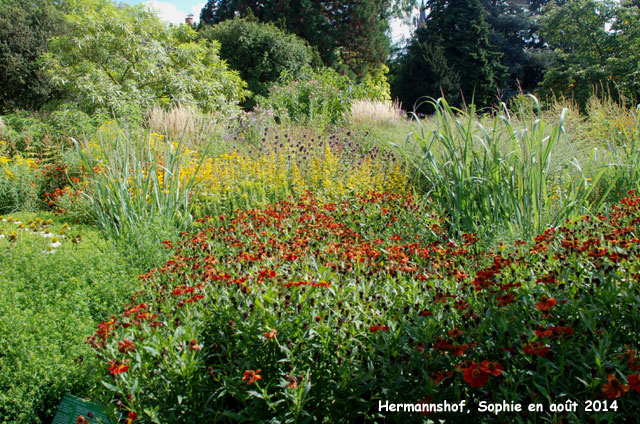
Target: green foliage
(43,135)
(19,186)
(514,32)
(482,178)
(307,312)
(595,45)
(49,303)
(451,54)
(422,71)
(259,52)
(136,185)
(322,97)
(122,60)
(350,36)
(25,26)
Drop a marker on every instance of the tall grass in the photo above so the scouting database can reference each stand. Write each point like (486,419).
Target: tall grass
(375,112)
(485,176)
(137,182)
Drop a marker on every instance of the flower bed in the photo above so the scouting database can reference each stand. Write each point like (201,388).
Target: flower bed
(303,310)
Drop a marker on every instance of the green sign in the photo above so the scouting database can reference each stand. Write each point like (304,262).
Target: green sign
(71,408)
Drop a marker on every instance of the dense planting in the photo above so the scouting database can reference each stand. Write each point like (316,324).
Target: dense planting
(305,309)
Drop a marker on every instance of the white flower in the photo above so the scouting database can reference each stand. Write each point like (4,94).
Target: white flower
(54,245)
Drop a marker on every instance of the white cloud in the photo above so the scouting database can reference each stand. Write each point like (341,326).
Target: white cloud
(168,11)
(400,30)
(195,9)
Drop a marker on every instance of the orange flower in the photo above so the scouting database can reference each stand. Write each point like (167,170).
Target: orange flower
(546,303)
(613,388)
(193,345)
(454,333)
(375,328)
(251,376)
(118,368)
(271,334)
(81,420)
(634,382)
(535,348)
(475,376)
(292,382)
(493,368)
(126,346)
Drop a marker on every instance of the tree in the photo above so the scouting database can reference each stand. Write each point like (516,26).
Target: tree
(349,35)
(123,59)
(423,72)
(259,52)
(25,26)
(596,46)
(514,32)
(463,39)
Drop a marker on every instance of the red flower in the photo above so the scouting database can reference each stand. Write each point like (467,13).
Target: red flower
(505,299)
(454,333)
(132,417)
(118,368)
(613,388)
(475,376)
(271,334)
(126,346)
(251,376)
(168,244)
(292,382)
(634,382)
(493,368)
(535,348)
(546,303)
(375,328)
(438,376)
(458,350)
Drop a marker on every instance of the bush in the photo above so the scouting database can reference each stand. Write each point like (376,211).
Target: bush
(260,52)
(322,97)
(130,73)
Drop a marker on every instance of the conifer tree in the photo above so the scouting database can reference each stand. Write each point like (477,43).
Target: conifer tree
(464,31)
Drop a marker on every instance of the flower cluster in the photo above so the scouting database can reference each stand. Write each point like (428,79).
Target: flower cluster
(310,302)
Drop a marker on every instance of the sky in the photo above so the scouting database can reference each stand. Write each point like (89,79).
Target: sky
(175,11)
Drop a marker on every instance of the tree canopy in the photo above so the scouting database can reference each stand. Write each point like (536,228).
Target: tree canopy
(349,35)
(259,52)
(116,58)
(25,26)
(596,47)
(454,42)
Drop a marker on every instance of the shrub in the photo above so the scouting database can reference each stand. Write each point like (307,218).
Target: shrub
(321,97)
(130,73)
(259,52)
